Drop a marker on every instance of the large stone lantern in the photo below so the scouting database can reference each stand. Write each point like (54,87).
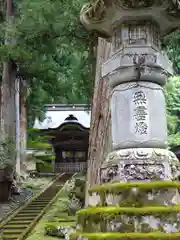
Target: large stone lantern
(137,70)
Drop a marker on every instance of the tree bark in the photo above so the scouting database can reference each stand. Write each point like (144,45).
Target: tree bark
(23,120)
(8,86)
(100,142)
(8,104)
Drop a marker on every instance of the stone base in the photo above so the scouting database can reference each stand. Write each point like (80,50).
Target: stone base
(140,164)
(167,223)
(137,195)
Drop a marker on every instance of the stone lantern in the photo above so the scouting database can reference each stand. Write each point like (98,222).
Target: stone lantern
(137,70)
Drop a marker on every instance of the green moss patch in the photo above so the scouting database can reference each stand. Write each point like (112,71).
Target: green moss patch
(44,167)
(119,187)
(45,158)
(97,214)
(129,210)
(39,231)
(67,219)
(131,206)
(62,218)
(37,184)
(62,224)
(135,236)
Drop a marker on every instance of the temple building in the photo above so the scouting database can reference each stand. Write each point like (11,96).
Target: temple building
(69,127)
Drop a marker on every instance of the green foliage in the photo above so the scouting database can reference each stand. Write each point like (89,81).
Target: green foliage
(174,139)
(38,141)
(173,110)
(7,152)
(44,167)
(39,145)
(51,49)
(172,46)
(43,153)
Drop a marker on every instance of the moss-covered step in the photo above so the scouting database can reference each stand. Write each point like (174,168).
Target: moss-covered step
(136,193)
(127,236)
(132,210)
(115,210)
(118,187)
(122,219)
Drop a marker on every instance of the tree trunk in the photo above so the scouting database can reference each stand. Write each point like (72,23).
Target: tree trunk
(23,120)
(8,103)
(100,132)
(8,86)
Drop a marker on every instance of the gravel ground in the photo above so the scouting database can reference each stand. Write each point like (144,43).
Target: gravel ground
(15,201)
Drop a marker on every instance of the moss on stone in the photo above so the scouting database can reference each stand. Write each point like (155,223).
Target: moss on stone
(150,210)
(138,199)
(134,235)
(67,219)
(98,215)
(55,225)
(135,200)
(117,188)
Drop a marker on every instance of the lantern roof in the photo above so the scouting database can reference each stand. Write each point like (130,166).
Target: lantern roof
(105,16)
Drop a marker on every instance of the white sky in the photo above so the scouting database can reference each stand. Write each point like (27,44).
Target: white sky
(56,118)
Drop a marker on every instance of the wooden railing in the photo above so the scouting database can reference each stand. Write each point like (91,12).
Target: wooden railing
(71,167)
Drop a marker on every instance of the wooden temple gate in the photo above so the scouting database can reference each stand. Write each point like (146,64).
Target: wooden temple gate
(70,143)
